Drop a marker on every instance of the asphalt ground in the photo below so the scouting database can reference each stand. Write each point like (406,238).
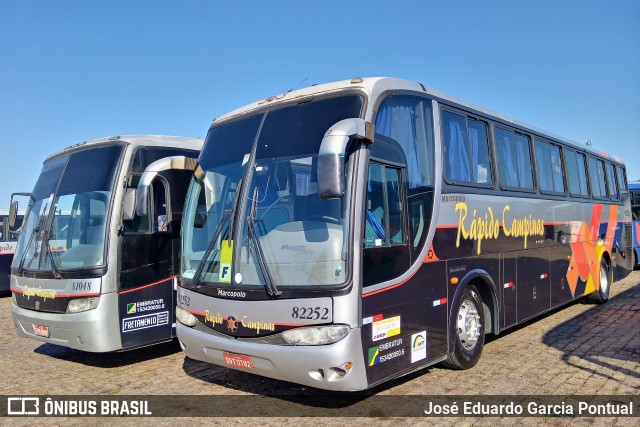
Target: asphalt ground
(578,350)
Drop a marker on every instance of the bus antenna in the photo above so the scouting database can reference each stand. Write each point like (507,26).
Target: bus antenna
(298,85)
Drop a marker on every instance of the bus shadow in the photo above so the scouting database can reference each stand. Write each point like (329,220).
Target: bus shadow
(287,395)
(112,359)
(603,339)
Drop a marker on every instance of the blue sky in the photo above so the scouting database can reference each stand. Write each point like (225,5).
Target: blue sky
(77,70)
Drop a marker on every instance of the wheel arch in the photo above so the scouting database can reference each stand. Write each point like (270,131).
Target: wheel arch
(488,294)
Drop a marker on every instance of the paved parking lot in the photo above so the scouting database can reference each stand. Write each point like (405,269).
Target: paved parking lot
(579,350)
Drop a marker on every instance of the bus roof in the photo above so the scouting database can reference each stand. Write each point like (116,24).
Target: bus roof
(635,185)
(138,140)
(374,86)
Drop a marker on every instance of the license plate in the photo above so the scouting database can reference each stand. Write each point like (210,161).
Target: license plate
(238,361)
(42,331)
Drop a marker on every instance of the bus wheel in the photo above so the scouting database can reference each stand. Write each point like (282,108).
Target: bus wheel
(601,295)
(468,328)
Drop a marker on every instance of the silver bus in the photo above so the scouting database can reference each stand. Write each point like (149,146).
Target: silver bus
(89,271)
(348,233)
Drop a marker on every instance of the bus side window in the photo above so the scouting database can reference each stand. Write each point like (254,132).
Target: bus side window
(597,178)
(161,221)
(386,252)
(514,160)
(550,171)
(466,150)
(383,222)
(612,182)
(622,179)
(576,174)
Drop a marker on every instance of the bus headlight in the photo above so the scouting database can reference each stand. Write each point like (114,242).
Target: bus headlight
(316,335)
(82,304)
(185,317)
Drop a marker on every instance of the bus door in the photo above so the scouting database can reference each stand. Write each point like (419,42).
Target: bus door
(149,247)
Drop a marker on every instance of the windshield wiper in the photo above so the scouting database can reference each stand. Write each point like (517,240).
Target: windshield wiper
(54,262)
(254,240)
(212,244)
(229,213)
(35,231)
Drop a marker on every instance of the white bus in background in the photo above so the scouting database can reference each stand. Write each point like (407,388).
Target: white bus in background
(89,272)
(9,232)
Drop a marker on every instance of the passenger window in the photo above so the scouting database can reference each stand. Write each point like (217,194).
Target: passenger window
(549,163)
(611,181)
(597,178)
(514,160)
(466,150)
(407,120)
(576,174)
(622,179)
(383,222)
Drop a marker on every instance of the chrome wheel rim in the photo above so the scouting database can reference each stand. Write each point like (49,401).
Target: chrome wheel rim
(469,326)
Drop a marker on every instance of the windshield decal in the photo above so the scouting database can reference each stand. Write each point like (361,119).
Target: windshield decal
(226,257)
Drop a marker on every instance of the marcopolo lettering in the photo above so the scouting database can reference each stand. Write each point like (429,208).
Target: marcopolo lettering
(232,294)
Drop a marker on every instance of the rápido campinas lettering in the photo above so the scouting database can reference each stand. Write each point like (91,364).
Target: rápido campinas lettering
(42,293)
(257,325)
(487,226)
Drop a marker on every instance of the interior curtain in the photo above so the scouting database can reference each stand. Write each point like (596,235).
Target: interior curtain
(397,121)
(458,157)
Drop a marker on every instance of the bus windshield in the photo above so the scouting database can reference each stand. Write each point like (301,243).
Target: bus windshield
(254,217)
(66,226)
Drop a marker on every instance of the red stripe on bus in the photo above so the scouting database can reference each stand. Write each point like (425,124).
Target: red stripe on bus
(7,253)
(368,294)
(292,324)
(197,313)
(95,294)
(147,286)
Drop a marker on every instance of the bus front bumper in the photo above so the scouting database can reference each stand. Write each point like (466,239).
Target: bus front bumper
(319,366)
(92,330)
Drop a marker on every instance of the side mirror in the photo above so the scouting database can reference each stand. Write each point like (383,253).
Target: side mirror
(147,177)
(129,205)
(331,156)
(13,214)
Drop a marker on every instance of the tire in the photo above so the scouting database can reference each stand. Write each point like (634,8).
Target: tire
(562,238)
(601,295)
(467,327)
